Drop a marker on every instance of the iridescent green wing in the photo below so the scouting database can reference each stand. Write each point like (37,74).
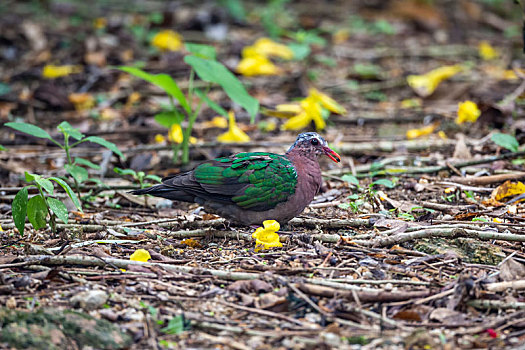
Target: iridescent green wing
(256,181)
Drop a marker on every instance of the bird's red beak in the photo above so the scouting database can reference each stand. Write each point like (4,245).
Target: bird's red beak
(332,154)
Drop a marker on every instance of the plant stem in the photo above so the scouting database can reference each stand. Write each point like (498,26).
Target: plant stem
(187,132)
(52,221)
(70,162)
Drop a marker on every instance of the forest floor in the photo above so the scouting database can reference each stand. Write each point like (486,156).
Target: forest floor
(412,243)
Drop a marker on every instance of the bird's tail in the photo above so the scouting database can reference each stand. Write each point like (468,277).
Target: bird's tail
(164,191)
(156,190)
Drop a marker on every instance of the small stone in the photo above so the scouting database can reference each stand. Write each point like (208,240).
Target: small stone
(90,299)
(389,286)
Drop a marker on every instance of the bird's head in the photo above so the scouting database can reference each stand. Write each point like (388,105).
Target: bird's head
(311,143)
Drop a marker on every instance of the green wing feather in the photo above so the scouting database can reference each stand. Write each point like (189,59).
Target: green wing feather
(256,181)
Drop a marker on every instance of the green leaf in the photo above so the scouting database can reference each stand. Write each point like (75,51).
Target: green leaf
(300,51)
(87,163)
(164,81)
(31,177)
(384,182)
(19,209)
(125,171)
(235,8)
(344,205)
(79,173)
(109,145)
(200,50)
(67,129)
(37,212)
(153,177)
(215,72)
(69,192)
(211,104)
(506,141)
(168,118)
(45,184)
(175,325)
(30,129)
(2,148)
(351,179)
(58,208)
(367,70)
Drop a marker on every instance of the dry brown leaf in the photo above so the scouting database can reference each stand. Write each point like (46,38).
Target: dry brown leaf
(507,189)
(511,270)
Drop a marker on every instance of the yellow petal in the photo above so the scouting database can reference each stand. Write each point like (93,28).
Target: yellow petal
(266,237)
(234,133)
(468,111)
(257,65)
(415,133)
(270,48)
(424,85)
(140,255)
(326,101)
(82,101)
(442,135)
(167,40)
(411,103)
(313,109)
(486,51)
(160,139)
(271,225)
(51,71)
(300,121)
(216,122)
(175,133)
(287,110)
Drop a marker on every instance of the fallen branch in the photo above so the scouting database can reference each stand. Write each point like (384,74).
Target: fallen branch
(373,296)
(440,232)
(502,286)
(495,304)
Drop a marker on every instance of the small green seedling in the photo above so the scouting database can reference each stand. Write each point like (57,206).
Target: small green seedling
(42,208)
(75,168)
(139,176)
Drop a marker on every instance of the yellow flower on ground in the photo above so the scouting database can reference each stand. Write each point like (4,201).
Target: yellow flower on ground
(269,48)
(313,109)
(216,122)
(51,71)
(82,101)
(309,109)
(167,40)
(415,133)
(175,135)
(326,101)
(266,237)
(140,255)
(424,85)
(234,133)
(468,111)
(486,51)
(160,139)
(442,135)
(257,65)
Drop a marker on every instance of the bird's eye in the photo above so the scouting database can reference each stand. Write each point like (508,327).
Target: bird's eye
(315,142)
